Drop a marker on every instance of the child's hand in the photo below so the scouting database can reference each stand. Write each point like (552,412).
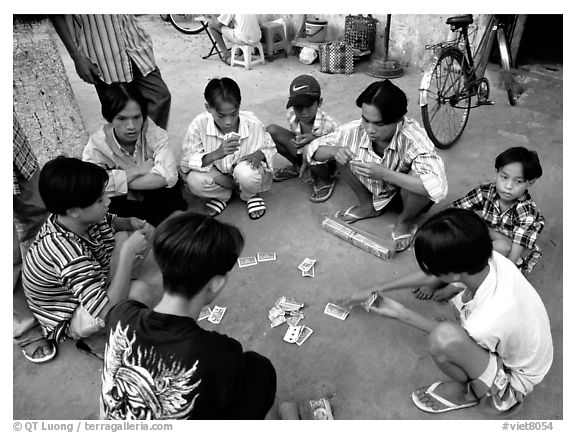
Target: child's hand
(353,300)
(343,155)
(229,146)
(302,139)
(254,159)
(366,169)
(136,243)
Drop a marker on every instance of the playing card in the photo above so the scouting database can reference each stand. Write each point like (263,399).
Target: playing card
(277,321)
(266,257)
(204,313)
(321,409)
(335,311)
(309,273)
(304,334)
(292,334)
(289,304)
(216,314)
(293,319)
(247,261)
(306,264)
(232,135)
(274,312)
(371,300)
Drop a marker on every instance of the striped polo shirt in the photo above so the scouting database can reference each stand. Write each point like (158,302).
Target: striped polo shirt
(409,150)
(63,270)
(204,137)
(111,41)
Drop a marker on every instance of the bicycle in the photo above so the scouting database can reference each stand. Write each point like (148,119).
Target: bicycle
(452,78)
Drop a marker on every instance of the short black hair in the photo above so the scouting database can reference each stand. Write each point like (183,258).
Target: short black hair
(388,98)
(117,96)
(453,241)
(531,167)
(191,248)
(220,90)
(65,183)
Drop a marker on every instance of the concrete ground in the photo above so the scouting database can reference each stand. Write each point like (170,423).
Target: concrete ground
(367,365)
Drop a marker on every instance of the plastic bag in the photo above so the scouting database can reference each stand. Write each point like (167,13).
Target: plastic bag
(308,56)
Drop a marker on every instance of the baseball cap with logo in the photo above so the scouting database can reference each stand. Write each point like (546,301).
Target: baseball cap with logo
(304,91)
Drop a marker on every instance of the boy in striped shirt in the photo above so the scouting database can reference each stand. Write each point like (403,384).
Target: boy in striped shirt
(80,263)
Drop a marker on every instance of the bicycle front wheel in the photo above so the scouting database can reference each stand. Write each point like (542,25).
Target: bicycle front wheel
(445,99)
(505,63)
(188,24)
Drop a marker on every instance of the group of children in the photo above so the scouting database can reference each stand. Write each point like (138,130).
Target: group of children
(80,274)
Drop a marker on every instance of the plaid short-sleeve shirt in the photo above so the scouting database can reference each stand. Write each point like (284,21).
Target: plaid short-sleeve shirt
(522,222)
(24,163)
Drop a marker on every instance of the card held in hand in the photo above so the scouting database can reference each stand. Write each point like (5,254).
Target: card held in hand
(204,313)
(216,314)
(335,311)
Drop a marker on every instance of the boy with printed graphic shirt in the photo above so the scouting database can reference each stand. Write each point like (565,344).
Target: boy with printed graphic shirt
(159,363)
(307,122)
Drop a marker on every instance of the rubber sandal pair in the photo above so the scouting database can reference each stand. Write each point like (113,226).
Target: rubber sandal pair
(350,217)
(318,196)
(47,356)
(408,236)
(215,207)
(254,205)
(448,405)
(285,173)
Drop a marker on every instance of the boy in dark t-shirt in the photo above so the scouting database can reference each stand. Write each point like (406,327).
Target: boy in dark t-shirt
(159,364)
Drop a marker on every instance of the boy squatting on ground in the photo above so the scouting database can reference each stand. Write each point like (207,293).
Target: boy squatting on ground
(505,205)
(502,346)
(159,364)
(81,261)
(227,149)
(307,122)
(382,156)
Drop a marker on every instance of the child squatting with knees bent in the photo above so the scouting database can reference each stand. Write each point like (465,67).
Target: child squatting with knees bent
(227,149)
(80,263)
(501,346)
(307,122)
(174,368)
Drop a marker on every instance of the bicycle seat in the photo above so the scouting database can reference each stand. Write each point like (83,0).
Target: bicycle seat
(460,21)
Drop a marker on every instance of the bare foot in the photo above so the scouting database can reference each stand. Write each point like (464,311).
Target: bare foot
(424,292)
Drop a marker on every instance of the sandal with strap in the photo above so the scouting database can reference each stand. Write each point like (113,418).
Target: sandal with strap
(254,205)
(48,350)
(215,207)
(285,173)
(322,194)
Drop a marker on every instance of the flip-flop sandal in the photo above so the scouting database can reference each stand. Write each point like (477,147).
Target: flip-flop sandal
(47,356)
(215,207)
(285,174)
(449,405)
(316,198)
(254,205)
(409,236)
(348,216)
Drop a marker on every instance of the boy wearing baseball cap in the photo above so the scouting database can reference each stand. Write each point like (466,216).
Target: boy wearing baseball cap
(307,122)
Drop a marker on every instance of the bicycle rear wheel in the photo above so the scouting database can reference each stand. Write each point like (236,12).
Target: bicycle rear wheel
(444,99)
(505,63)
(187,23)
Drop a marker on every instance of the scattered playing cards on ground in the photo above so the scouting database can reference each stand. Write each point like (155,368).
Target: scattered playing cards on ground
(287,310)
(204,313)
(306,264)
(292,334)
(321,409)
(309,273)
(304,334)
(335,311)
(216,314)
(266,257)
(247,261)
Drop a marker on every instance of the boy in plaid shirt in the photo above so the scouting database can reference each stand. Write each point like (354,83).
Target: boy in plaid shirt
(513,218)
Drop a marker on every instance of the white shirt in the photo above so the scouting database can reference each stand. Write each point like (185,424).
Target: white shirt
(246,27)
(507,317)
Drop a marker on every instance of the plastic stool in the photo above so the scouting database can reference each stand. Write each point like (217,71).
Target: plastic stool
(274,38)
(247,52)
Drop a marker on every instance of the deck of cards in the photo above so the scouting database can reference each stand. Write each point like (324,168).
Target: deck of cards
(287,310)
(307,267)
(335,311)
